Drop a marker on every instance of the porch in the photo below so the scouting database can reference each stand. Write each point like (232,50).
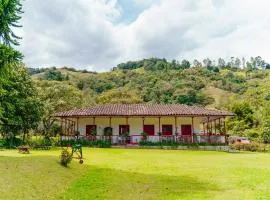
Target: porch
(134,123)
(136,139)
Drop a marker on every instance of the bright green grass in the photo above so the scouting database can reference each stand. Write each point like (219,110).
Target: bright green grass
(136,174)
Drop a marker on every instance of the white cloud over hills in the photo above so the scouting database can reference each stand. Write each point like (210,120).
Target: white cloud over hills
(92,33)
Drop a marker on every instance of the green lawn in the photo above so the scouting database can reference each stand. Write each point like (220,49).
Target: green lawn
(135,174)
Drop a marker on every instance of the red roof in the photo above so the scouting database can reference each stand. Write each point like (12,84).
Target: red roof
(143,110)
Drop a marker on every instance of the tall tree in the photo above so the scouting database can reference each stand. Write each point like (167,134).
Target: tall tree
(10,14)
(221,63)
(8,55)
(20,109)
(185,64)
(57,96)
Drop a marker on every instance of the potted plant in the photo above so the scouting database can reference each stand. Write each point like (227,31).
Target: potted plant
(108,131)
(144,136)
(125,134)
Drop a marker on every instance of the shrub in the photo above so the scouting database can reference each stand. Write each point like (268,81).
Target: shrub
(11,142)
(65,157)
(144,136)
(96,143)
(254,146)
(108,131)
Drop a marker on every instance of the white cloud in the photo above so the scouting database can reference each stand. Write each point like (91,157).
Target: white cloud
(85,33)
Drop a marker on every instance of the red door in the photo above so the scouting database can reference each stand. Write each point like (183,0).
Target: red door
(186,130)
(166,129)
(149,129)
(123,129)
(90,128)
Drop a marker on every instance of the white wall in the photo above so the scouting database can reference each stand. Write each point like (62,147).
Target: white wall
(136,124)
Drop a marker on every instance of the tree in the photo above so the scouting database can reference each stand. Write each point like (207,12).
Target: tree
(243,112)
(20,109)
(8,55)
(185,64)
(53,75)
(237,63)
(197,63)
(57,97)
(10,11)
(221,63)
(121,95)
(208,63)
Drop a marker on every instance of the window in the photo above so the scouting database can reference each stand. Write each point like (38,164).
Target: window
(166,129)
(149,129)
(91,129)
(123,129)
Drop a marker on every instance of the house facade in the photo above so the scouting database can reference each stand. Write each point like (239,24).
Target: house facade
(156,121)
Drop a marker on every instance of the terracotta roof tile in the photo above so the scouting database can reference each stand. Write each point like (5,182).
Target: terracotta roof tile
(143,110)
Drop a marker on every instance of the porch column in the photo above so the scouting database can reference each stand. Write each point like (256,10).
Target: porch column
(215,126)
(225,131)
(211,123)
(61,124)
(110,122)
(77,124)
(159,124)
(143,119)
(224,122)
(203,128)
(208,129)
(192,129)
(175,124)
(219,124)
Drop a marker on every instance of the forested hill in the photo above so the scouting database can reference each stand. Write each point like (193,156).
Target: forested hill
(159,81)
(243,89)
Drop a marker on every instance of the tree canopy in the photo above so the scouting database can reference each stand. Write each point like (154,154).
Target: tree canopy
(10,15)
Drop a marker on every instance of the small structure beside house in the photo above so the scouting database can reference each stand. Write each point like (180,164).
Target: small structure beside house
(131,123)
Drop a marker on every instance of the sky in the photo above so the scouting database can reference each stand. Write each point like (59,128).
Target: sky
(99,34)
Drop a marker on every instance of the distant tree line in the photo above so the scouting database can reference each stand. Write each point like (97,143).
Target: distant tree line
(153,64)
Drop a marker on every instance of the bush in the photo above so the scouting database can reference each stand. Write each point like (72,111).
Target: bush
(254,147)
(97,143)
(12,142)
(40,142)
(65,157)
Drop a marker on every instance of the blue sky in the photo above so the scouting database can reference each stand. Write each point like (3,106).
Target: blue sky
(99,34)
(130,9)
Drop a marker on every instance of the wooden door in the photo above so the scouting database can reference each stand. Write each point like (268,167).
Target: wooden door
(186,130)
(167,130)
(123,128)
(149,129)
(90,128)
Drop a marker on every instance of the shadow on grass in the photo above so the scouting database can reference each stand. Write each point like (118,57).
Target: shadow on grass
(104,183)
(42,177)
(38,177)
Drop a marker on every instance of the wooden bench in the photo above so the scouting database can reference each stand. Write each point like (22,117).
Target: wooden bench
(24,149)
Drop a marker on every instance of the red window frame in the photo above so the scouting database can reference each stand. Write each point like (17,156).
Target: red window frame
(167,129)
(149,129)
(186,129)
(89,128)
(123,128)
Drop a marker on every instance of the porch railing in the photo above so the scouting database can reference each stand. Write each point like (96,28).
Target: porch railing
(135,139)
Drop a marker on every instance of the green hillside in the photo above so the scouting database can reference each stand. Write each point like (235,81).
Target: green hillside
(228,87)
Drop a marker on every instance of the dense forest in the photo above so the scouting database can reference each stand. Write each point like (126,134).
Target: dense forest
(236,85)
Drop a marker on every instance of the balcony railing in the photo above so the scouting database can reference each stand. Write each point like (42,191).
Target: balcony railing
(135,139)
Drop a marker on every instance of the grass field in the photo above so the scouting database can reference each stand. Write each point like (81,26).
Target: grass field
(135,174)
